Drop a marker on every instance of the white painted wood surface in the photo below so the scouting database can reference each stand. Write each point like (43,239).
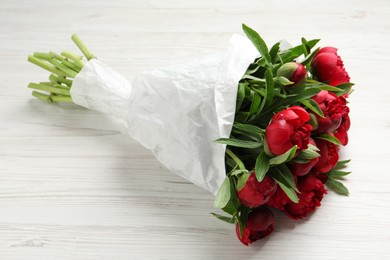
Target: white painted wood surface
(74,186)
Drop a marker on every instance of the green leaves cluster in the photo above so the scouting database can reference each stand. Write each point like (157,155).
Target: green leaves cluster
(261,94)
(335,176)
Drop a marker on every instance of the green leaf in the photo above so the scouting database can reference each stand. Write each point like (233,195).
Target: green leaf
(305,48)
(308,59)
(231,207)
(341,164)
(253,67)
(284,81)
(286,174)
(338,174)
(273,53)
(239,143)
(296,51)
(289,191)
(262,166)
(345,88)
(313,148)
(269,86)
(299,160)
(258,42)
(305,94)
(339,90)
(285,157)
(243,213)
(240,95)
(329,138)
(337,187)
(313,106)
(230,220)
(223,195)
(234,203)
(308,154)
(237,172)
(254,109)
(241,180)
(251,131)
(284,178)
(254,79)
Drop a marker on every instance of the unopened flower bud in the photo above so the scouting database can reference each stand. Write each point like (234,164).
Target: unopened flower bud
(294,72)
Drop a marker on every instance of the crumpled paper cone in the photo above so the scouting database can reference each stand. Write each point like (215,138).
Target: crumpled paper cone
(176,112)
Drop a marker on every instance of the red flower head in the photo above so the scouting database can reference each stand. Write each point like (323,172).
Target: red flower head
(329,156)
(288,128)
(341,132)
(259,225)
(311,193)
(329,67)
(301,169)
(255,193)
(334,110)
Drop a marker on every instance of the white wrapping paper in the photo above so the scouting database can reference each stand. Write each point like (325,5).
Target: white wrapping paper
(175,112)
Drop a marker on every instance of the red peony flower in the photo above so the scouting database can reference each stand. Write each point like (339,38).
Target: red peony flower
(334,110)
(301,169)
(341,132)
(295,72)
(329,67)
(329,156)
(259,225)
(288,128)
(255,193)
(311,193)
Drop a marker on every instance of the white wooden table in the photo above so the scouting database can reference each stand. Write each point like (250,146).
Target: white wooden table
(74,186)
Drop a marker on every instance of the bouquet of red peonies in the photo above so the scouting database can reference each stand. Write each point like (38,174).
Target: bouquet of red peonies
(261,128)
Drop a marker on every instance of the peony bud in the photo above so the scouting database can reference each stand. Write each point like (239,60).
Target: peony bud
(301,169)
(334,110)
(259,225)
(294,72)
(311,193)
(288,128)
(255,193)
(328,67)
(329,156)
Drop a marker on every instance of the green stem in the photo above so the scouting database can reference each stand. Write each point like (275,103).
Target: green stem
(56,56)
(61,86)
(41,96)
(76,59)
(52,98)
(45,65)
(68,72)
(53,78)
(46,83)
(42,56)
(71,65)
(49,89)
(83,48)
(65,99)
(240,164)
(71,55)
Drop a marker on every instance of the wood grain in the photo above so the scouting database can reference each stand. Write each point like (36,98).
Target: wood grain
(74,186)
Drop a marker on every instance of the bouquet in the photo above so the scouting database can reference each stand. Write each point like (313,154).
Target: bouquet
(258,127)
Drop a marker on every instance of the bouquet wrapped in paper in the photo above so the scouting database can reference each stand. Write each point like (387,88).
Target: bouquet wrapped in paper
(259,128)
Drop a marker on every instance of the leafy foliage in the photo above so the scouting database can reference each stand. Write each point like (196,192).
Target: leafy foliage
(261,94)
